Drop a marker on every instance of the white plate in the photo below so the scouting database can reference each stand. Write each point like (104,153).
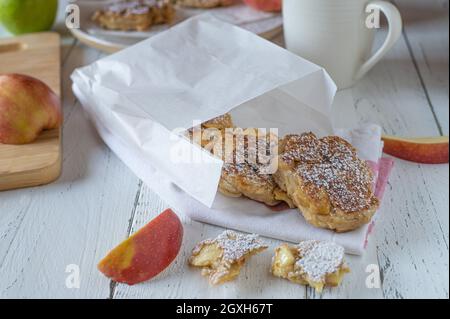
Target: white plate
(262,23)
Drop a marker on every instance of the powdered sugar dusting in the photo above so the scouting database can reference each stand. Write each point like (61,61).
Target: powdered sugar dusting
(134,7)
(330,164)
(251,155)
(319,259)
(222,120)
(236,245)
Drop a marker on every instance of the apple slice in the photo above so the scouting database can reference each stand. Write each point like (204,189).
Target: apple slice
(430,150)
(146,253)
(265,5)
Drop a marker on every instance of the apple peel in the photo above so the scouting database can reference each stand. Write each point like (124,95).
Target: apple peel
(265,5)
(147,252)
(428,150)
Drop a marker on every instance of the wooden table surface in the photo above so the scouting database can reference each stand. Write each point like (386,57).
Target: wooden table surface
(98,201)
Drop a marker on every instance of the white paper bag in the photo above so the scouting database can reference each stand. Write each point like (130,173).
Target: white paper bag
(198,70)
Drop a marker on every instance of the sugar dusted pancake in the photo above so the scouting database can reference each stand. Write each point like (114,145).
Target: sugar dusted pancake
(136,15)
(250,160)
(314,263)
(327,181)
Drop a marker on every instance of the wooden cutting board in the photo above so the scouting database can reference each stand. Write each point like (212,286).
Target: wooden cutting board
(38,163)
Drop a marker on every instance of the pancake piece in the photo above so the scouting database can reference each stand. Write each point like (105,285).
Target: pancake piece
(210,134)
(313,263)
(222,258)
(327,181)
(137,15)
(250,160)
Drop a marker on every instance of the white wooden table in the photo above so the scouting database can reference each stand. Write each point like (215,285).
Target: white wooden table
(98,201)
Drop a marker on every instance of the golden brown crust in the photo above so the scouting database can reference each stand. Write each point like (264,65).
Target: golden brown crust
(249,164)
(209,133)
(326,180)
(241,175)
(135,15)
(221,122)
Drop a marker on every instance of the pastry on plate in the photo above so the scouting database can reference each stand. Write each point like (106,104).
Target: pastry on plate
(313,263)
(222,258)
(205,4)
(250,158)
(138,15)
(327,181)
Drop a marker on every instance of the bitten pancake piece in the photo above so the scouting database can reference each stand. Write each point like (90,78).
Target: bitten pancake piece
(137,15)
(313,263)
(222,258)
(205,3)
(327,181)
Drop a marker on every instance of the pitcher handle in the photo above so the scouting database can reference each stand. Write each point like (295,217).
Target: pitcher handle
(395,31)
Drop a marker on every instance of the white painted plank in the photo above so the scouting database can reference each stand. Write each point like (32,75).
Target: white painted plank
(391,94)
(412,231)
(413,241)
(426,25)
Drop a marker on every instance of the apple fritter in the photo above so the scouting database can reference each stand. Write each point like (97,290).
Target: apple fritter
(210,132)
(327,181)
(136,15)
(313,263)
(222,258)
(250,159)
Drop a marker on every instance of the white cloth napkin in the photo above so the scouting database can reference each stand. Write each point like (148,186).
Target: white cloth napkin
(200,69)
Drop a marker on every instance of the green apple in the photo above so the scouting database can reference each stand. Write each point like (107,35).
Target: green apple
(25,16)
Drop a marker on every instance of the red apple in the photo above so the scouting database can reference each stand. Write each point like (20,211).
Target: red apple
(147,252)
(432,150)
(265,5)
(27,107)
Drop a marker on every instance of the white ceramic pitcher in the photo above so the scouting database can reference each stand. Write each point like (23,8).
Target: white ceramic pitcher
(339,34)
